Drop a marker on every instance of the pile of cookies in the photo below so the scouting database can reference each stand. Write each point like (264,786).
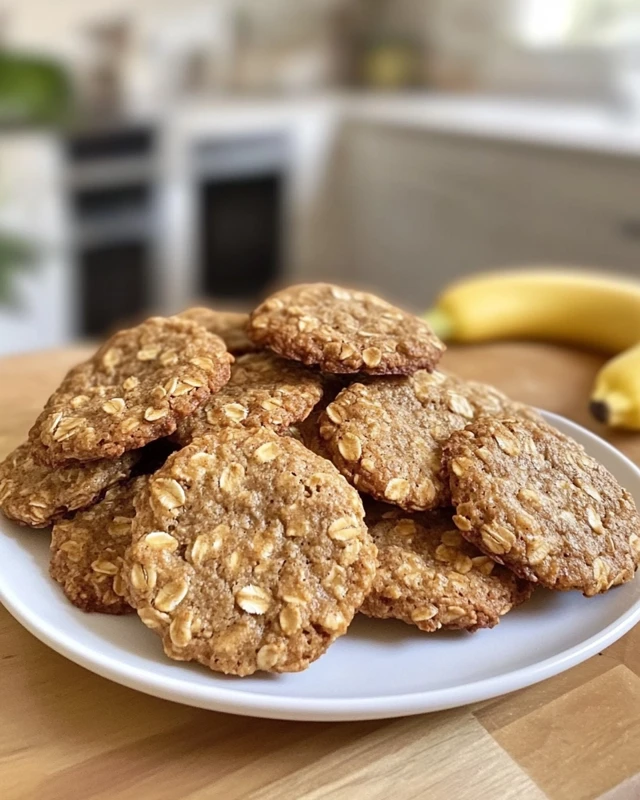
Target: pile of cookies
(247,484)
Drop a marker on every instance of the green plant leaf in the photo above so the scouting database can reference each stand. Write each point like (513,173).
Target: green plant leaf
(33,90)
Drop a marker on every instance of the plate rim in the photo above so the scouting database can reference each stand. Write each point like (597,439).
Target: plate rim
(270,706)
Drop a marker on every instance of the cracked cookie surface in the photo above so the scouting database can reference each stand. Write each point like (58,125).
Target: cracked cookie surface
(344,331)
(132,391)
(533,499)
(386,434)
(35,495)
(429,576)
(264,390)
(87,551)
(249,553)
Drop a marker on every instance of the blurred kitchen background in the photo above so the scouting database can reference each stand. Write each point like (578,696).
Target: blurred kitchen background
(161,153)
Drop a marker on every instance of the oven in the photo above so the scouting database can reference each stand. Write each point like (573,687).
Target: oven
(111,190)
(240,184)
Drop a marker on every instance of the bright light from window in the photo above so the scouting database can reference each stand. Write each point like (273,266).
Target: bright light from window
(540,23)
(545,22)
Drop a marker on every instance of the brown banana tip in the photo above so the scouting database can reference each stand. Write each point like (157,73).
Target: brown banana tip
(600,410)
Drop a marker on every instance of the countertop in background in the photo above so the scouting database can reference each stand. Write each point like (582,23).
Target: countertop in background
(600,128)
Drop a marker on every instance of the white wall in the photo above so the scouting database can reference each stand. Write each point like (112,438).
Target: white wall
(54,26)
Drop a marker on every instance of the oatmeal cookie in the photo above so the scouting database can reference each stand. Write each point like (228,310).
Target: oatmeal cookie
(132,391)
(429,576)
(34,495)
(386,434)
(531,498)
(249,553)
(87,551)
(344,331)
(230,326)
(264,390)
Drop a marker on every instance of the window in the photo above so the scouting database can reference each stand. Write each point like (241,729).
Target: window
(542,23)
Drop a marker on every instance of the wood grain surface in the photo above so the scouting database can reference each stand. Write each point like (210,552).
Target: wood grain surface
(68,734)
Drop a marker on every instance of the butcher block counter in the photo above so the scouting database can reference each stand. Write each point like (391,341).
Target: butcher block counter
(66,733)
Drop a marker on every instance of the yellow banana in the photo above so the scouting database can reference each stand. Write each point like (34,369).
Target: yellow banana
(583,308)
(590,309)
(616,395)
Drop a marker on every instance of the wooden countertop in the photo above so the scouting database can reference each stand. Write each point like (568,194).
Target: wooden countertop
(66,733)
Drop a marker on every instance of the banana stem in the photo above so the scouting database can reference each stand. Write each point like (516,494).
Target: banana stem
(440,322)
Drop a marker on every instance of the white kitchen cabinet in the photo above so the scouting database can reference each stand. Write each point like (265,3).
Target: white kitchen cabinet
(424,207)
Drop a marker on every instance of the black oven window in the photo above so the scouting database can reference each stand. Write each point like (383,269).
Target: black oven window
(240,235)
(114,286)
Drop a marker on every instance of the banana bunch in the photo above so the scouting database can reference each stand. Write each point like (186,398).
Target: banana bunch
(581,308)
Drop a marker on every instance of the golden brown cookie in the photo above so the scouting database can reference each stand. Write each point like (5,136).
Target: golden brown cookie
(344,331)
(249,553)
(132,391)
(230,326)
(34,495)
(532,499)
(87,551)
(430,577)
(264,390)
(386,434)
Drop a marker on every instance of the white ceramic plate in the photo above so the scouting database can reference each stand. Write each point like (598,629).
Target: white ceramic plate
(379,669)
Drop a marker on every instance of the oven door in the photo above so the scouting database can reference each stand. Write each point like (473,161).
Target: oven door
(241,183)
(114,268)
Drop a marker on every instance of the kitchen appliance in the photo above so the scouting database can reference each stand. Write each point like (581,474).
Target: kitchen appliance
(240,183)
(112,206)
